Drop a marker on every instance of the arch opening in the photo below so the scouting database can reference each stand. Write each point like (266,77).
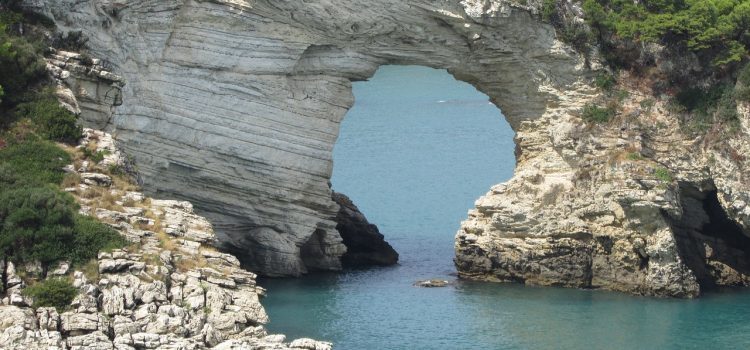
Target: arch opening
(415,137)
(414,152)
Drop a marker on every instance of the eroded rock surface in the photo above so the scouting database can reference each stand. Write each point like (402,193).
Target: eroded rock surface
(171,289)
(235,106)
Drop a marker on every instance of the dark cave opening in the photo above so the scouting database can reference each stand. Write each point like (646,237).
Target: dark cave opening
(712,245)
(313,253)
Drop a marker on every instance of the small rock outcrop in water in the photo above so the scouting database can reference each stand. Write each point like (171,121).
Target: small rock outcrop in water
(433,283)
(365,245)
(170,290)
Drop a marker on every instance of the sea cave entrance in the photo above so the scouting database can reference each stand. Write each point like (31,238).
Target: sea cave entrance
(414,152)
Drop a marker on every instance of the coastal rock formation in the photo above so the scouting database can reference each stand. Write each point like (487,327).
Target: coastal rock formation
(170,290)
(235,106)
(636,206)
(365,245)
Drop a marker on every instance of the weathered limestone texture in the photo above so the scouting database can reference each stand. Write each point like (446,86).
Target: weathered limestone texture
(170,290)
(635,206)
(235,106)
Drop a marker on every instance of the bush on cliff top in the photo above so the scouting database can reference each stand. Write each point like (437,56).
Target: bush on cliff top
(34,162)
(41,224)
(715,29)
(37,224)
(53,122)
(53,292)
(37,220)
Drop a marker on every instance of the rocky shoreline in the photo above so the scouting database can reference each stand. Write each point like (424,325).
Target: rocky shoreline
(170,289)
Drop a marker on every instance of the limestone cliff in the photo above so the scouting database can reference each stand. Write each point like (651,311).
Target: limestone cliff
(235,105)
(170,289)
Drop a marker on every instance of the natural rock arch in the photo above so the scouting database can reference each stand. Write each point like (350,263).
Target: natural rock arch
(235,106)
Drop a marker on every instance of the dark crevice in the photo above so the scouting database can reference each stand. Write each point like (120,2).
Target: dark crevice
(313,253)
(643,264)
(710,243)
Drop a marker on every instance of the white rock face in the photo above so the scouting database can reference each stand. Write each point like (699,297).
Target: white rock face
(170,290)
(235,105)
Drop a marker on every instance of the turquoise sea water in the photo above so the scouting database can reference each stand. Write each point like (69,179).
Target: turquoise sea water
(414,153)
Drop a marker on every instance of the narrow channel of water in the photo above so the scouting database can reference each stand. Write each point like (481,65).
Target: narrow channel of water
(415,151)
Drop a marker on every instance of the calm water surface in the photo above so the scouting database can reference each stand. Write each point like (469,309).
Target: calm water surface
(414,153)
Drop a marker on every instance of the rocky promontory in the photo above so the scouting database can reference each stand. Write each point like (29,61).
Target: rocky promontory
(168,289)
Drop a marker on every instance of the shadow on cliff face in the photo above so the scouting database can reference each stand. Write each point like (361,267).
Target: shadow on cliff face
(365,245)
(715,248)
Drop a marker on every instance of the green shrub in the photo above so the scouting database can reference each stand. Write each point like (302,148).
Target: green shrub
(701,100)
(53,121)
(8,178)
(634,156)
(35,161)
(605,81)
(53,292)
(37,224)
(743,91)
(716,104)
(92,236)
(595,114)
(21,67)
(744,75)
(97,156)
(716,29)
(41,224)
(663,174)
(549,10)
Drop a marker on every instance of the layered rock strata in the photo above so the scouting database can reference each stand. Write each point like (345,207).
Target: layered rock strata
(635,206)
(169,290)
(235,106)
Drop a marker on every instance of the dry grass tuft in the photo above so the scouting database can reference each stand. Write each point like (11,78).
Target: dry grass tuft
(71,180)
(122,183)
(91,270)
(165,241)
(191,263)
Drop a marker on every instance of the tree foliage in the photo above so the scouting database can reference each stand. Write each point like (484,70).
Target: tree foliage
(38,221)
(37,224)
(21,64)
(717,29)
